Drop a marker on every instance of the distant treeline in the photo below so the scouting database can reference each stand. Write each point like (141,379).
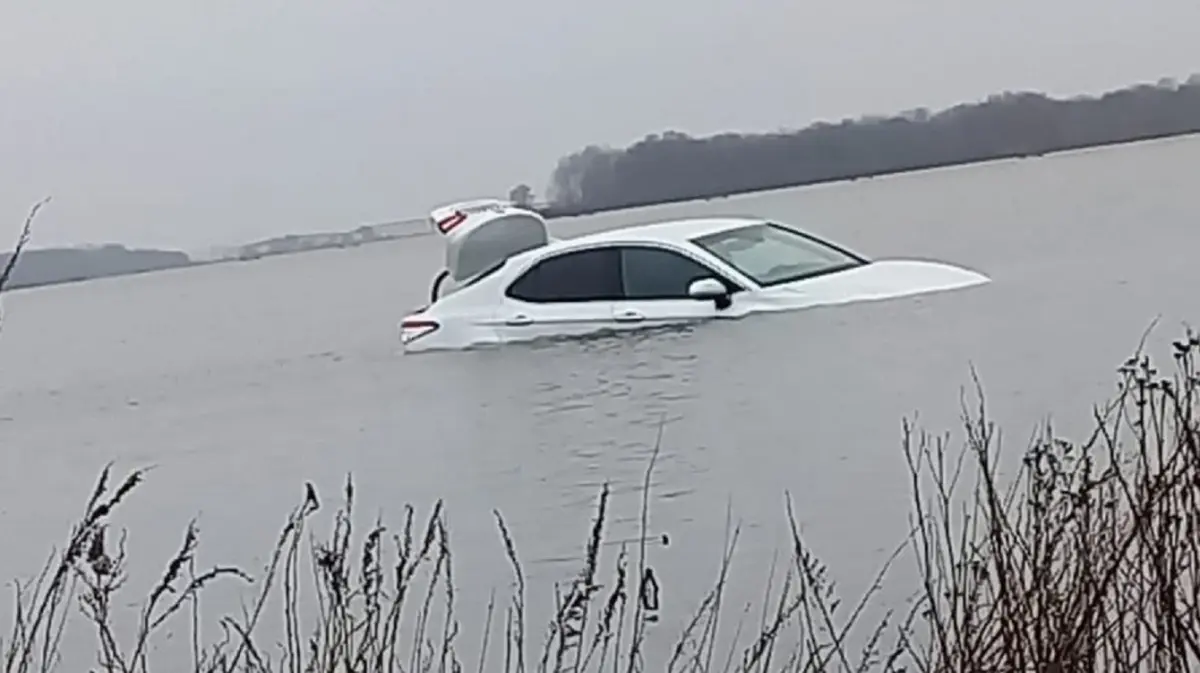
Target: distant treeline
(676,167)
(61,265)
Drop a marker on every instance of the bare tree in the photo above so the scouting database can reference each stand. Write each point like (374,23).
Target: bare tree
(522,195)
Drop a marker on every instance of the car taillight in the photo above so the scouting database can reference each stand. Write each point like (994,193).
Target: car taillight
(412,329)
(447,224)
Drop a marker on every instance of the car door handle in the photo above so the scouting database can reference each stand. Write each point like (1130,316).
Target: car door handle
(629,316)
(519,320)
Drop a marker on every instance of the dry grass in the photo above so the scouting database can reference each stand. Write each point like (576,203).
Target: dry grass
(1083,559)
(10,264)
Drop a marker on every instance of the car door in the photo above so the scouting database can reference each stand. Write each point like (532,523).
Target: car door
(654,283)
(567,294)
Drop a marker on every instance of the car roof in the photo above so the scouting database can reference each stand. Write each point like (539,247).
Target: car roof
(679,232)
(671,231)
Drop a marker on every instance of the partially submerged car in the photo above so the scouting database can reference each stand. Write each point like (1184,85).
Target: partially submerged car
(649,275)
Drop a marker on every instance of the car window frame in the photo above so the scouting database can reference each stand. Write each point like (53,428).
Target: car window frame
(508,289)
(731,284)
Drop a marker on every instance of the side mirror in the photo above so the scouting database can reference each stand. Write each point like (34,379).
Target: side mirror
(710,289)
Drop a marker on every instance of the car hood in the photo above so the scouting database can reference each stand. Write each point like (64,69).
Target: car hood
(882,279)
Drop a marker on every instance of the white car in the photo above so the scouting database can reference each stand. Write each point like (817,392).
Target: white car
(511,282)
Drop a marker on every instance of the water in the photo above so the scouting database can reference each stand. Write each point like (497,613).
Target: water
(240,381)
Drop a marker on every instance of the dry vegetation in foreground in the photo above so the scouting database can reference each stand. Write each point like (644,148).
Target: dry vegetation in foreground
(23,240)
(1083,560)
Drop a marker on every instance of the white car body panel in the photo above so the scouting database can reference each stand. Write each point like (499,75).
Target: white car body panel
(481,313)
(881,279)
(522,321)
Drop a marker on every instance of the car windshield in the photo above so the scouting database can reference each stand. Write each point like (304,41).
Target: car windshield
(772,254)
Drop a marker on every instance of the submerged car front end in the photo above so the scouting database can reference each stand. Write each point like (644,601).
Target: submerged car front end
(873,281)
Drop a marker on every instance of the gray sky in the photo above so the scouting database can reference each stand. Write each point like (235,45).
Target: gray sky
(189,124)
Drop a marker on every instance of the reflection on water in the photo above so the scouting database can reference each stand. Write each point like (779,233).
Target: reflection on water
(240,382)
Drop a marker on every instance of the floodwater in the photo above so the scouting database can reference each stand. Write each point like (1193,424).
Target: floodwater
(239,382)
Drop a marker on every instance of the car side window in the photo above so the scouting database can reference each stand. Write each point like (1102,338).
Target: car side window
(583,275)
(656,273)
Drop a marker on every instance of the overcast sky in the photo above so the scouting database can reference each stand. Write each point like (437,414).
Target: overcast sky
(193,123)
